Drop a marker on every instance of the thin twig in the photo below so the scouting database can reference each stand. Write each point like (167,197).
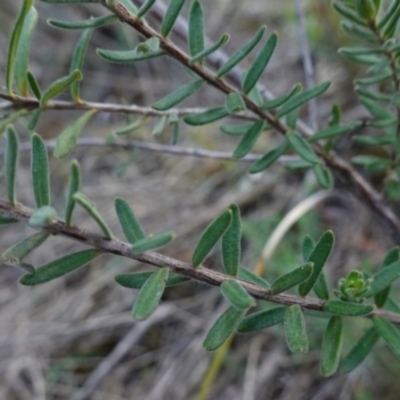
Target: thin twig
(201,274)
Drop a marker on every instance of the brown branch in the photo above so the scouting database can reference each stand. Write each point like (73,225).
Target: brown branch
(201,274)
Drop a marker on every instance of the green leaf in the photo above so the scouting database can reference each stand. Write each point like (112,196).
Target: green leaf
(40,171)
(151,243)
(333,131)
(77,62)
(133,231)
(268,159)
(11,163)
(11,118)
(234,103)
(34,85)
(206,52)
(271,104)
(136,280)
(91,209)
(391,257)
(321,287)
(388,332)
(159,125)
(373,80)
(66,140)
(376,110)
(358,353)
(372,163)
(211,236)
(347,309)
(383,278)
(389,28)
(22,56)
(59,86)
(150,295)
(392,188)
(308,247)
(172,13)
(332,346)
(301,147)
(237,295)
(132,9)
(223,328)
(196,28)
(259,64)
(373,141)
(42,217)
(324,176)
(59,267)
(249,139)
(13,45)
(6,220)
(359,32)
(231,246)
(126,56)
(206,117)
(291,279)
(301,98)
(145,8)
(295,327)
(241,53)
(178,95)
(236,129)
(318,256)
(374,95)
(84,24)
(249,276)
(131,127)
(73,187)
(262,319)
(348,12)
(386,17)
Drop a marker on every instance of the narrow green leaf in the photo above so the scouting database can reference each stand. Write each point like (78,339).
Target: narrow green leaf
(206,117)
(241,53)
(178,95)
(262,319)
(236,129)
(372,163)
(389,28)
(324,176)
(211,236)
(359,32)
(6,220)
(308,247)
(348,12)
(34,119)
(347,309)
(291,279)
(237,295)
(22,56)
(13,45)
(374,95)
(391,257)
(259,64)
(301,147)
(159,125)
(249,139)
(376,110)
(145,8)
(268,159)
(172,13)
(333,131)
(73,187)
(295,327)
(271,104)
(196,28)
(321,287)
(136,280)
(150,295)
(133,231)
(298,164)
(373,141)
(249,276)
(131,8)
(151,243)
(131,127)
(91,209)
(223,328)
(126,56)
(33,84)
(388,332)
(84,24)
(40,171)
(206,52)
(59,86)
(59,267)
(66,140)
(234,103)
(77,62)
(332,346)
(42,217)
(373,80)
(301,98)
(11,118)
(11,163)
(383,278)
(231,246)
(358,353)
(318,256)
(24,247)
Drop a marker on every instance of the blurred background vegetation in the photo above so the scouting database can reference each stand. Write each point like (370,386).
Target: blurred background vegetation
(52,337)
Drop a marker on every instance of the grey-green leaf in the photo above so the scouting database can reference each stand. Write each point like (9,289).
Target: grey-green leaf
(34,85)
(237,295)
(332,346)
(42,217)
(383,278)
(234,103)
(236,129)
(388,332)
(231,246)
(295,327)
(223,328)
(308,247)
(249,139)
(301,147)
(196,28)
(391,257)
(84,24)
(262,319)
(73,187)
(271,104)
(268,159)
(324,176)
(206,52)
(136,280)
(130,224)
(172,13)
(333,131)
(347,309)
(206,117)
(211,236)
(66,140)
(178,95)
(291,279)
(145,8)
(152,243)
(150,294)
(11,163)
(60,267)
(34,119)
(249,276)
(126,56)
(259,64)
(40,171)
